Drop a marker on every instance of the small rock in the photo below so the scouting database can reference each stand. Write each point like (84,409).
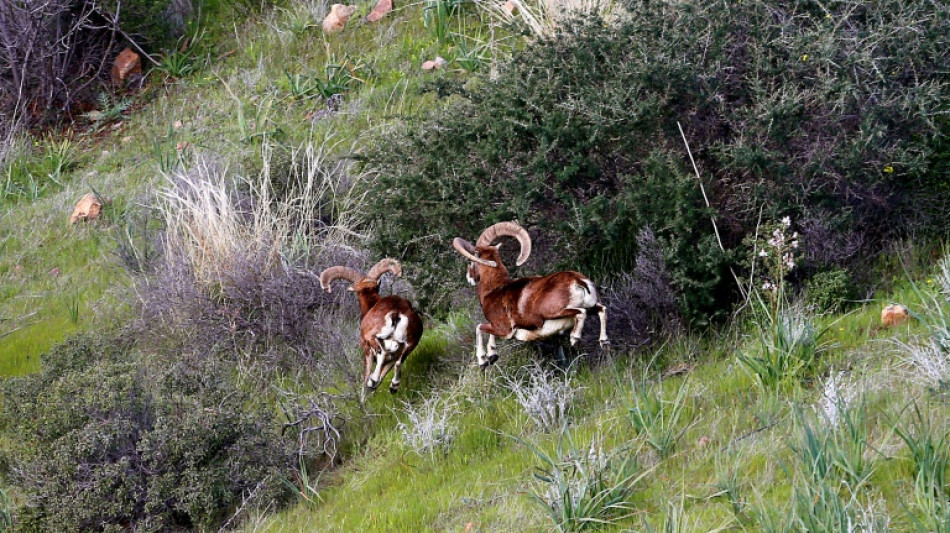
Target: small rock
(703,441)
(510,7)
(434,64)
(127,64)
(127,139)
(894,314)
(382,7)
(88,208)
(337,18)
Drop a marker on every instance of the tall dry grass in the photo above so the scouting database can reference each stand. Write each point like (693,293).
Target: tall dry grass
(217,220)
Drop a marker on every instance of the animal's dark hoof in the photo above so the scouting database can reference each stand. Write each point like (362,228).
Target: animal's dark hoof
(372,385)
(492,358)
(393,390)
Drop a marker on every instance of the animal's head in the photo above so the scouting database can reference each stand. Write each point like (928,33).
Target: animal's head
(484,257)
(360,283)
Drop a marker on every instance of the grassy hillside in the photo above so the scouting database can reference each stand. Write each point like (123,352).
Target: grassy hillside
(783,415)
(738,460)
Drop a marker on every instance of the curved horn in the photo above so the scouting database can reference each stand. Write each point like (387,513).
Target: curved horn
(338,272)
(509,229)
(383,266)
(466,249)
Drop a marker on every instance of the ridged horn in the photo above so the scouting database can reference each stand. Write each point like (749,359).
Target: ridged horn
(338,272)
(508,229)
(383,266)
(466,249)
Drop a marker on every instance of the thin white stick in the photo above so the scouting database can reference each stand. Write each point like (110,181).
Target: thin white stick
(701,187)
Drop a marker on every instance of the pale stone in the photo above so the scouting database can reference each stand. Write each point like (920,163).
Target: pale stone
(382,7)
(434,64)
(894,314)
(337,18)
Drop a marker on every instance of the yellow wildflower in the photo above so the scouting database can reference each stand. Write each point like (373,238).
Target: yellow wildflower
(888,169)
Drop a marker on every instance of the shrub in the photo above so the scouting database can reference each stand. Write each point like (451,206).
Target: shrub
(642,303)
(795,109)
(828,291)
(428,426)
(240,256)
(105,442)
(582,489)
(546,399)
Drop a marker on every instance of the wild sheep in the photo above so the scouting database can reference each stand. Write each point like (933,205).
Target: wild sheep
(528,308)
(389,328)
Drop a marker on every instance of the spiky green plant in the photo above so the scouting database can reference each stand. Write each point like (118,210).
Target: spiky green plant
(584,489)
(656,419)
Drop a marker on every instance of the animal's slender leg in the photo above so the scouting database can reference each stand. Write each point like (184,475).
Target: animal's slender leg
(479,347)
(602,314)
(368,356)
(579,319)
(397,372)
(492,352)
(374,379)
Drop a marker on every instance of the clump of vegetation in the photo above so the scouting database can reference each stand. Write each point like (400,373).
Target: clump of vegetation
(240,255)
(544,396)
(642,303)
(658,420)
(788,341)
(829,290)
(788,111)
(582,489)
(105,440)
(428,426)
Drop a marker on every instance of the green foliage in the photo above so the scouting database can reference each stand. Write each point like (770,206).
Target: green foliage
(656,419)
(103,441)
(577,139)
(930,452)
(176,64)
(436,15)
(150,22)
(582,489)
(339,76)
(29,173)
(829,290)
(111,109)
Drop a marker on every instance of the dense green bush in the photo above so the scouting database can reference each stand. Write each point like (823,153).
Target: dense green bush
(829,290)
(104,443)
(823,112)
